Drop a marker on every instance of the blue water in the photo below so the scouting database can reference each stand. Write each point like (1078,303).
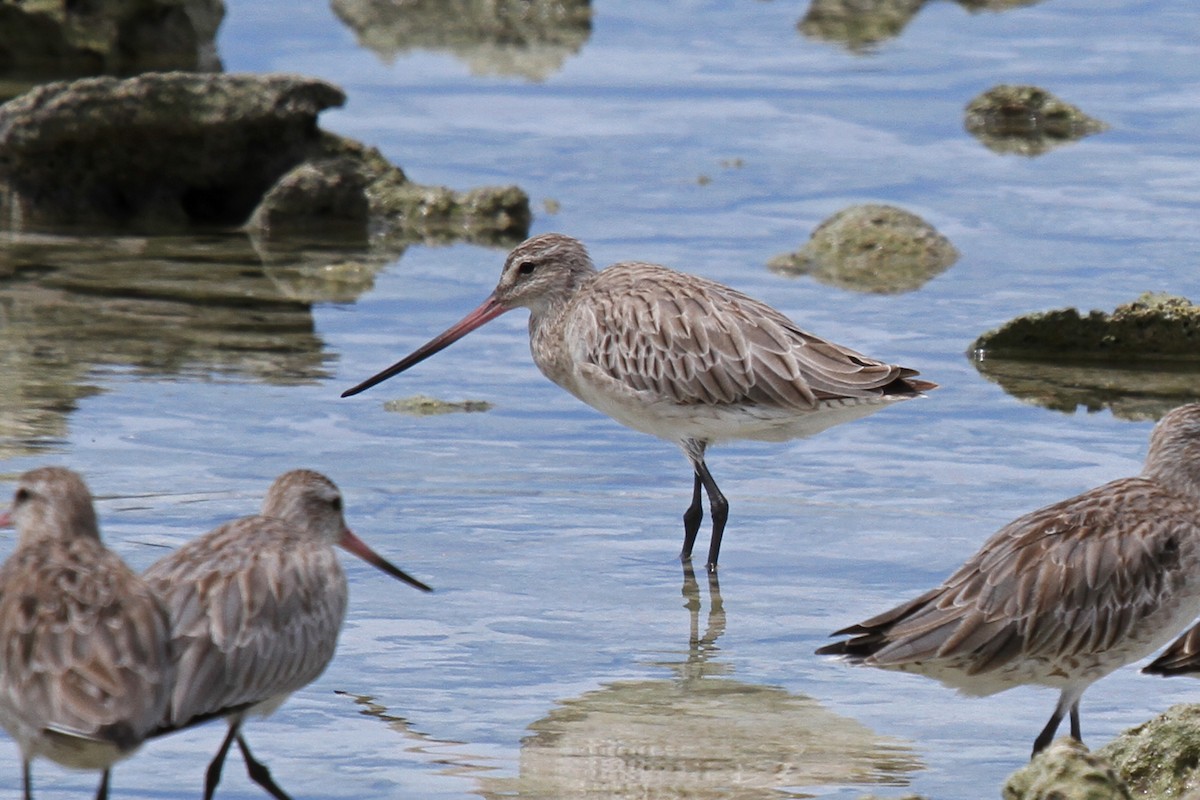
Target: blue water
(550,532)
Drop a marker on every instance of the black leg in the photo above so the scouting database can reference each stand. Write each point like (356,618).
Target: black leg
(1065,702)
(719,507)
(102,789)
(27,779)
(691,521)
(213,776)
(259,773)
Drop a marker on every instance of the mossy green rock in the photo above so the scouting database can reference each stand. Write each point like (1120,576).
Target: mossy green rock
(1026,120)
(871,248)
(1066,771)
(420,405)
(1158,758)
(1153,326)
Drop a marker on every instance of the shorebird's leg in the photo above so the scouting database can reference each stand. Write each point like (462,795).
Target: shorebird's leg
(213,775)
(102,789)
(691,521)
(27,779)
(1068,700)
(259,773)
(718,506)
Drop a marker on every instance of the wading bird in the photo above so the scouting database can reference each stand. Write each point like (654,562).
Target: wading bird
(85,671)
(255,607)
(676,356)
(1064,595)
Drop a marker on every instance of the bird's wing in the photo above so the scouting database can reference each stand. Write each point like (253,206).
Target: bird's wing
(694,341)
(84,643)
(1182,656)
(1073,578)
(255,612)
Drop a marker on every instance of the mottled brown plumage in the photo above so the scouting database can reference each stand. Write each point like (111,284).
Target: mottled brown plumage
(256,606)
(1064,595)
(84,664)
(677,356)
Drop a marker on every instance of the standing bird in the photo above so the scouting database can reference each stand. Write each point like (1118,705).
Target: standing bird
(676,356)
(1064,595)
(256,606)
(85,670)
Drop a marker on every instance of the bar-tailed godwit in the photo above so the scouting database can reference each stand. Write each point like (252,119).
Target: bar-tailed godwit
(85,671)
(1064,595)
(256,606)
(677,356)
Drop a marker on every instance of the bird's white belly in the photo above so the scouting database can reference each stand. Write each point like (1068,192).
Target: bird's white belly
(717,423)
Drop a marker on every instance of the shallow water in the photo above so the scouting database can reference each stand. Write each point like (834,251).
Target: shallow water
(564,652)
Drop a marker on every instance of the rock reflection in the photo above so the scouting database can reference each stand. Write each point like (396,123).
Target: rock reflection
(530,38)
(198,307)
(1135,391)
(860,25)
(698,735)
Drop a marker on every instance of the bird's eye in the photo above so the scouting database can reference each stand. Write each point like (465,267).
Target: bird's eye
(336,503)
(526,267)
(21,496)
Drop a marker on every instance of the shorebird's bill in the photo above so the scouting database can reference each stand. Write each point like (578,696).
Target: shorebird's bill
(488,311)
(362,550)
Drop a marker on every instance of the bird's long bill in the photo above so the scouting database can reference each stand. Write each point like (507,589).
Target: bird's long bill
(5,519)
(359,548)
(487,312)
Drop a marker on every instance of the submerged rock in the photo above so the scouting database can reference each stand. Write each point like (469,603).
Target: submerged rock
(860,25)
(1066,771)
(1026,120)
(56,38)
(420,405)
(856,24)
(171,151)
(1159,758)
(871,248)
(1140,361)
(530,38)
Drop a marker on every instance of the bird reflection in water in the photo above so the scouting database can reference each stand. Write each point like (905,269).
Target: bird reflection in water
(698,734)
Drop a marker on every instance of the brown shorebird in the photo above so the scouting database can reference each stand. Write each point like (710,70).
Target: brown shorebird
(676,356)
(85,671)
(256,606)
(1063,596)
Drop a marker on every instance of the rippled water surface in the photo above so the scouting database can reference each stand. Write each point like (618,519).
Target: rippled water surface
(565,653)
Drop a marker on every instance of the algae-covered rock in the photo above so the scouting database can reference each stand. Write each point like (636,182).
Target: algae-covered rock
(47,39)
(1158,758)
(1140,361)
(172,151)
(420,405)
(1066,771)
(855,24)
(1026,120)
(530,38)
(871,248)
(157,150)
(1153,326)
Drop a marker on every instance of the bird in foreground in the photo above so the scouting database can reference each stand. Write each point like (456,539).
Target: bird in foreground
(85,671)
(676,356)
(1064,595)
(255,608)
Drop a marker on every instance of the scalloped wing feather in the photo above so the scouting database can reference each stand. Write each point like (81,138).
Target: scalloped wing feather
(256,609)
(694,341)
